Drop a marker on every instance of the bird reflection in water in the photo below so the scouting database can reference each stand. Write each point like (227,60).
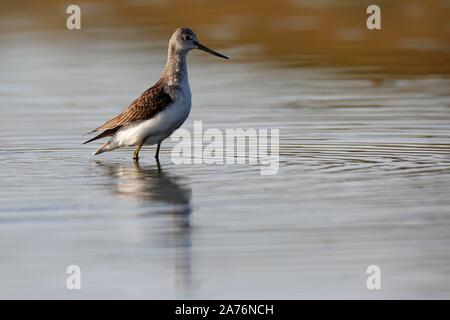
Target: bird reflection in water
(163,194)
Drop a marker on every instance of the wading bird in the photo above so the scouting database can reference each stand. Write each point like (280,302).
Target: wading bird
(161,109)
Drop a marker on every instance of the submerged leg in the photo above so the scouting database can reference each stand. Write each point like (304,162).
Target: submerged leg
(158,165)
(157,151)
(136,151)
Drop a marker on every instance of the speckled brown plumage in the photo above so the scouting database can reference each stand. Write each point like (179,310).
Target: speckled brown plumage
(152,101)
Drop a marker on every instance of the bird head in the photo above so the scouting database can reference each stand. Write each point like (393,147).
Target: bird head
(184,40)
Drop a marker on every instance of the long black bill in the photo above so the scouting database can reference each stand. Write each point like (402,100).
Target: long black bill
(206,49)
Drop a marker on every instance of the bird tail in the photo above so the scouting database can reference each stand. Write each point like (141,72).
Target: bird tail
(105,133)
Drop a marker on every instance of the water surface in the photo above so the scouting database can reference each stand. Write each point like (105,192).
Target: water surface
(364,172)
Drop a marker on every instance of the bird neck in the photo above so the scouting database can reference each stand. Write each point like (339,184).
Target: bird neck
(175,70)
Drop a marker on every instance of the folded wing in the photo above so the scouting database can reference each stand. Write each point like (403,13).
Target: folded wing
(151,102)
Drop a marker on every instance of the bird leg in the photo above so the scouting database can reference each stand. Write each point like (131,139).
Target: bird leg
(157,157)
(136,151)
(157,151)
(158,165)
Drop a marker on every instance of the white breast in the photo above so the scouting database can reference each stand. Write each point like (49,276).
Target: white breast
(162,125)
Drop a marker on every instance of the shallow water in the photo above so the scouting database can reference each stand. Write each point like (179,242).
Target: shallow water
(364,173)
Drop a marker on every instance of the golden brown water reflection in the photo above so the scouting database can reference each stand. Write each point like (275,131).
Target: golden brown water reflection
(296,32)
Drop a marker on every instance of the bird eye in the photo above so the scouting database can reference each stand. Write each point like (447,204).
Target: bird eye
(187,37)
